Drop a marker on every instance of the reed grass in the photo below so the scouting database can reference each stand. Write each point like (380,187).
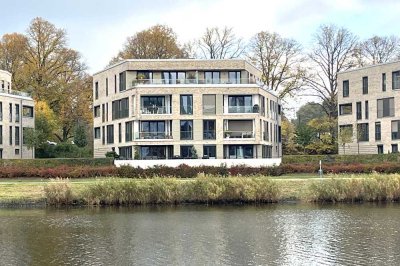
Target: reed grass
(58,192)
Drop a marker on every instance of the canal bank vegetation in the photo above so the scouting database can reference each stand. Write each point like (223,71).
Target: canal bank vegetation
(225,190)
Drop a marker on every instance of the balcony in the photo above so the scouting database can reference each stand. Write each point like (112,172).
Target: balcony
(18,93)
(244,109)
(238,134)
(156,110)
(186,135)
(154,135)
(192,81)
(209,134)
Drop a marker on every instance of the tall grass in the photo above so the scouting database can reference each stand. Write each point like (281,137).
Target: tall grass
(58,192)
(358,188)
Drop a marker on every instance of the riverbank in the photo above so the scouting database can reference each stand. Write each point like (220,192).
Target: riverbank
(204,189)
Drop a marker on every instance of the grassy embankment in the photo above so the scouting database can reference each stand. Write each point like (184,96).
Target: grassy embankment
(340,188)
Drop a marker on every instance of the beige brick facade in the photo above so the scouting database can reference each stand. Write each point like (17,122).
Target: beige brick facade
(16,114)
(238,130)
(380,86)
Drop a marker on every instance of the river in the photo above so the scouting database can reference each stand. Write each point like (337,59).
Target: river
(275,234)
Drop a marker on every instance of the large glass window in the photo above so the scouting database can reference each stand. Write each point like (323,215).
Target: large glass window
(396,80)
(110,134)
(97,111)
(380,149)
(383,81)
(395,148)
(153,105)
(358,110)
(152,130)
(240,151)
(345,109)
(234,77)
(96,90)
(366,110)
(365,85)
(186,151)
(240,104)
(17,113)
(209,151)
(377,130)
(209,107)
(16,136)
(186,129)
(346,90)
(385,107)
(153,152)
(211,77)
(122,81)
(97,132)
(144,77)
(125,152)
(208,129)
(396,129)
(363,132)
(174,77)
(120,108)
(129,131)
(186,104)
(27,111)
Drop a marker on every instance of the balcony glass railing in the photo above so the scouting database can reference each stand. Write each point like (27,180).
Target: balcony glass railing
(192,81)
(156,110)
(186,135)
(154,135)
(238,134)
(244,109)
(13,92)
(209,134)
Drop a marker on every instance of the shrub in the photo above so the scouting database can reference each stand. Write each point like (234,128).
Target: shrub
(58,192)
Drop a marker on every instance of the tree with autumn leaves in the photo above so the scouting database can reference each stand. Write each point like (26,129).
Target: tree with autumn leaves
(42,64)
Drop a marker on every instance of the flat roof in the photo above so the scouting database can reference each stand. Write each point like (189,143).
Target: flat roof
(369,66)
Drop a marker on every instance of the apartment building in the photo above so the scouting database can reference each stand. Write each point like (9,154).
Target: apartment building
(369,106)
(185,108)
(16,115)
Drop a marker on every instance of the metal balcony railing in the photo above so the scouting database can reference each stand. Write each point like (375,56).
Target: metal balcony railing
(192,81)
(244,109)
(186,135)
(209,134)
(238,134)
(156,110)
(154,135)
(13,92)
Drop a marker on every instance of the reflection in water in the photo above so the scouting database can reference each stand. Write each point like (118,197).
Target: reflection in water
(298,234)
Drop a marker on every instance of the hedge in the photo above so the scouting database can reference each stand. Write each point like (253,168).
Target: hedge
(53,162)
(359,158)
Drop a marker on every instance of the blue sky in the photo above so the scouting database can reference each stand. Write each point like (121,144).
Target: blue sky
(98,29)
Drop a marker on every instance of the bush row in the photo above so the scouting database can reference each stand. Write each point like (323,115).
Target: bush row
(361,158)
(165,191)
(57,162)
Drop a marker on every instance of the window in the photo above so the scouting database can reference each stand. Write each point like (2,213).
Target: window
(396,129)
(346,88)
(10,111)
(17,113)
(211,77)
(119,132)
(104,135)
(16,136)
(144,77)
(110,134)
(152,152)
(366,110)
(362,132)
(239,152)
(125,152)
(122,81)
(383,81)
(186,151)
(1,111)
(186,129)
(396,80)
(395,148)
(345,109)
(385,107)
(129,131)
(16,151)
(240,104)
(186,104)
(358,111)
(234,77)
(262,105)
(120,108)
(208,129)
(174,77)
(10,135)
(97,111)
(154,105)
(279,134)
(377,130)
(209,104)
(380,149)
(97,132)
(106,86)
(27,111)
(365,85)
(152,130)
(209,151)
(1,134)
(115,83)
(96,90)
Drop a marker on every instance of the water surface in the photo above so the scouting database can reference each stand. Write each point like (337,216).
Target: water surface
(280,234)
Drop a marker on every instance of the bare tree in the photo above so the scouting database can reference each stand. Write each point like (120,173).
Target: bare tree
(378,49)
(280,61)
(219,43)
(333,52)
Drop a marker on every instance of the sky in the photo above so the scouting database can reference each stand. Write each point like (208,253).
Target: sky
(99,28)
